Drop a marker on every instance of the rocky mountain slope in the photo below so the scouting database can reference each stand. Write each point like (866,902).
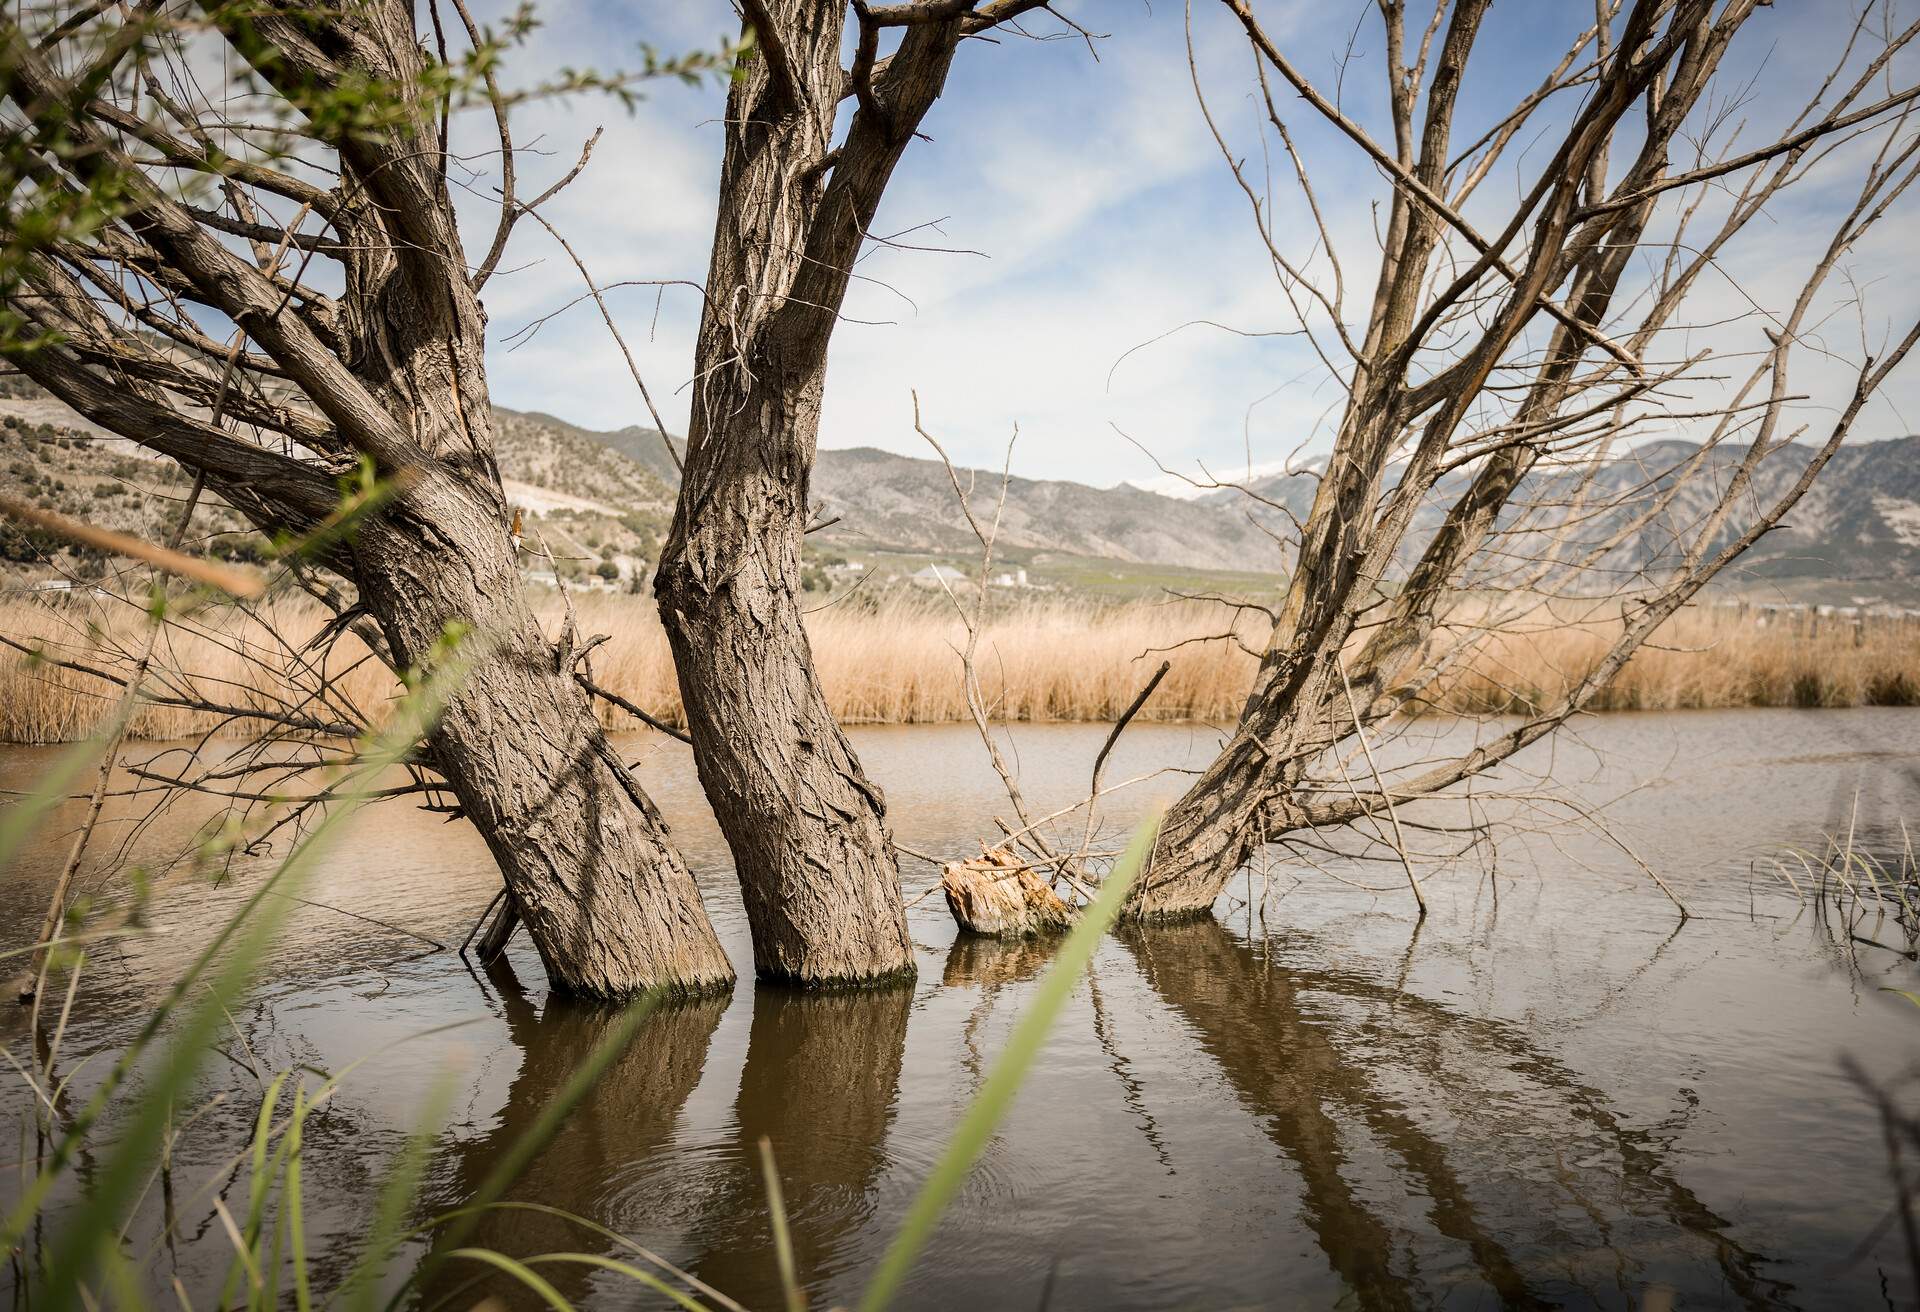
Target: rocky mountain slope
(542,454)
(890,501)
(1859,523)
(896,503)
(600,494)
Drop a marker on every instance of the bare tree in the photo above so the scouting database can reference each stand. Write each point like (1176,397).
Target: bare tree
(307,204)
(807,828)
(1484,471)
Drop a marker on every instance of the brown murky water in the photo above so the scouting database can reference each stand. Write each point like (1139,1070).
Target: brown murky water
(1549,1094)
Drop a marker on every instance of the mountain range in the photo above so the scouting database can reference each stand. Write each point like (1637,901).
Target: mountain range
(1858,528)
(1858,525)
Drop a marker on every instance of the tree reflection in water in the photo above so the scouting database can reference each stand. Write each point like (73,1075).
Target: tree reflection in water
(1438,1156)
(1514,1161)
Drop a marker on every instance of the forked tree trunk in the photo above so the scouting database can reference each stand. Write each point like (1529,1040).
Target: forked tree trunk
(1303,702)
(806,827)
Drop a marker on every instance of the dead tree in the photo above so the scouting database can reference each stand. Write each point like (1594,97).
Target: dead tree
(308,205)
(807,828)
(1507,361)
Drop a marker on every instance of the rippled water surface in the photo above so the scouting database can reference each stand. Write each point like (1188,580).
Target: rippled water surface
(1551,1093)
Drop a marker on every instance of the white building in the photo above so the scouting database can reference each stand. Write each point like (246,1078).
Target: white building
(934,576)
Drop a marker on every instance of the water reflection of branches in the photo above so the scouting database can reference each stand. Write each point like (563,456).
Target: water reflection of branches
(1324,1060)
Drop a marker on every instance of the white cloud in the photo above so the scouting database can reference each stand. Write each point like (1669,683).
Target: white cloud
(1106,216)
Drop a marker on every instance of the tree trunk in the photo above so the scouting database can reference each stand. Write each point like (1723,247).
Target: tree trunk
(385,372)
(806,827)
(1205,837)
(607,900)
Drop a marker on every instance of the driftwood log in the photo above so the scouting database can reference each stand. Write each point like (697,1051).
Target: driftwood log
(997,895)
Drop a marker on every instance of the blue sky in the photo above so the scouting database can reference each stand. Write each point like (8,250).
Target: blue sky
(1104,218)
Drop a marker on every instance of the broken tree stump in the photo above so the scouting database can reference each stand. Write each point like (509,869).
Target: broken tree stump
(997,895)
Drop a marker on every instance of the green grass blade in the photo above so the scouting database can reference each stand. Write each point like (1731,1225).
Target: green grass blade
(94,1227)
(996,1095)
(117,1275)
(361,1289)
(529,1144)
(614,1237)
(519,1271)
(296,1221)
(258,1190)
(782,1240)
(626,1269)
(1908,994)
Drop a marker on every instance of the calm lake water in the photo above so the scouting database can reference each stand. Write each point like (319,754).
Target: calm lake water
(1548,1094)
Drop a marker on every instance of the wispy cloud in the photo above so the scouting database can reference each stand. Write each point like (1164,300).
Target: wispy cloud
(1102,216)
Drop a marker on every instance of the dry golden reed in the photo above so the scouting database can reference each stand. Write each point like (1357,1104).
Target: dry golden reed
(896,662)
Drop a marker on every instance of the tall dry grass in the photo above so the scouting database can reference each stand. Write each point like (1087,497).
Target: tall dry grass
(895,662)
(1704,657)
(219,654)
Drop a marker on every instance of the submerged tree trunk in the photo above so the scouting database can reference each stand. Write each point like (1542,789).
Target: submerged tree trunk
(606,898)
(806,827)
(1205,837)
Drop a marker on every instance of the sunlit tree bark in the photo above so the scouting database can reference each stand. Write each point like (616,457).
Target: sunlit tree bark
(128,209)
(1499,369)
(806,826)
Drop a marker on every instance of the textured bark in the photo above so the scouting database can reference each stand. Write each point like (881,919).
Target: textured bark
(999,897)
(1205,837)
(389,372)
(806,827)
(606,898)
